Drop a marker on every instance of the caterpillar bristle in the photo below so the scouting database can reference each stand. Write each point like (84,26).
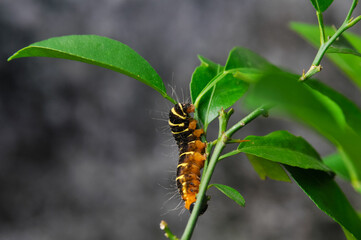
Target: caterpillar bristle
(191,153)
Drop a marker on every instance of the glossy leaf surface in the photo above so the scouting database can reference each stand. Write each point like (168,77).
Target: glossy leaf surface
(349,109)
(202,75)
(321,5)
(335,162)
(326,194)
(214,88)
(302,102)
(244,58)
(283,147)
(100,51)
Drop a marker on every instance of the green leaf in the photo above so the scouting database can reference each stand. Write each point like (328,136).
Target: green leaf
(223,95)
(200,79)
(100,51)
(348,235)
(336,163)
(321,5)
(266,168)
(244,58)
(285,148)
(354,40)
(325,193)
(214,87)
(300,101)
(348,63)
(350,110)
(230,192)
(218,89)
(350,153)
(202,75)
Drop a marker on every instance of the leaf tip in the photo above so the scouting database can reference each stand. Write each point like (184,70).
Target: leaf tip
(203,60)
(12,57)
(293,25)
(17,54)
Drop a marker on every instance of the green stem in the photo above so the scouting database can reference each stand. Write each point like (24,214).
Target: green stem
(353,6)
(321,27)
(259,111)
(316,67)
(354,21)
(321,52)
(221,143)
(209,148)
(202,190)
(168,233)
(208,171)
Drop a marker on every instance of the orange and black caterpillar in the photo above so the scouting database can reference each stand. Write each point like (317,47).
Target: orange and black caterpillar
(191,153)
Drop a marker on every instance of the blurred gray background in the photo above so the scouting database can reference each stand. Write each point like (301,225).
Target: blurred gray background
(86,154)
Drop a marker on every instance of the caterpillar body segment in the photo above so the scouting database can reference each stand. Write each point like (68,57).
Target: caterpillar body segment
(191,153)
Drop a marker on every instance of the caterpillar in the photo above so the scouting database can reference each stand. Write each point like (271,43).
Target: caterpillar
(191,153)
